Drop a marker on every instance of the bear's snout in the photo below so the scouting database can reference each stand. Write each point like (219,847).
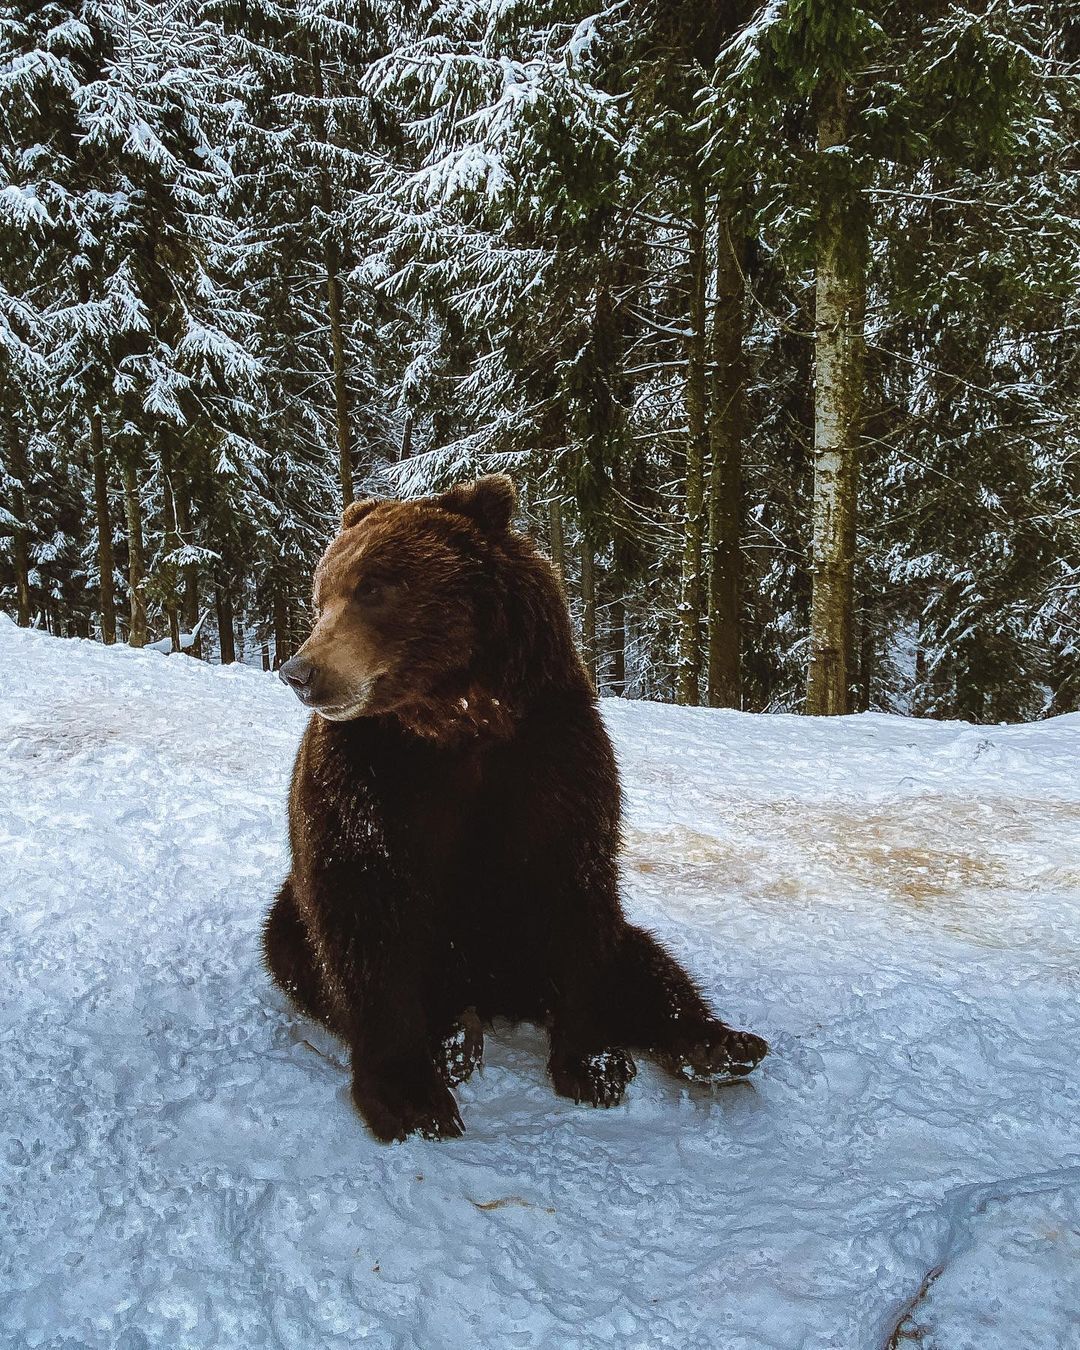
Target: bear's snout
(318,683)
(299,674)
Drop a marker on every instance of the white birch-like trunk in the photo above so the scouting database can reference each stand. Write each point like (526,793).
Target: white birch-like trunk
(838,380)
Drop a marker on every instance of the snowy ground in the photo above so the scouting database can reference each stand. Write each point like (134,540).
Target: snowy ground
(893,903)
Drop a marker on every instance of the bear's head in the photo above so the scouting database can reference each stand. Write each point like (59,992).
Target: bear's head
(402,597)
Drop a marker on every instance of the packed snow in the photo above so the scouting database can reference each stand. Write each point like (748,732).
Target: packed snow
(893,903)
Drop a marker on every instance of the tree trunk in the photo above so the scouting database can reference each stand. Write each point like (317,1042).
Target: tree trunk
(617,677)
(689,666)
(341,392)
(726,424)
(866,668)
(104,529)
(281,625)
(558,544)
(335,306)
(171,541)
(588,608)
(191,571)
(224,605)
(136,558)
(840,304)
(20,552)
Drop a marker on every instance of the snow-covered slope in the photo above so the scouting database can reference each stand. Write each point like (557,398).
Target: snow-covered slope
(893,903)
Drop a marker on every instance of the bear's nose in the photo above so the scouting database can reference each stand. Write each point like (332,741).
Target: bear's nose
(298,673)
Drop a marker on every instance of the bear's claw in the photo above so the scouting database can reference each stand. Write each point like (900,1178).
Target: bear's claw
(719,1052)
(440,1124)
(598,1079)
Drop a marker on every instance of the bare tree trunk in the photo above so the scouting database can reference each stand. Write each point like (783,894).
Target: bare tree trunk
(919,698)
(136,558)
(20,553)
(866,668)
(191,591)
(224,604)
(104,529)
(689,668)
(282,650)
(20,559)
(406,437)
(726,423)
(191,571)
(588,607)
(335,306)
(840,305)
(558,543)
(617,677)
(341,391)
(171,540)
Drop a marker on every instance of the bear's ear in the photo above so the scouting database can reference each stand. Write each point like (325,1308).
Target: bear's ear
(489,502)
(355,512)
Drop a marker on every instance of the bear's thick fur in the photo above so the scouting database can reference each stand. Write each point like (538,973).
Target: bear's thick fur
(454,822)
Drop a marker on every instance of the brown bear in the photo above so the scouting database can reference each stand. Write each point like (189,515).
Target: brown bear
(454,823)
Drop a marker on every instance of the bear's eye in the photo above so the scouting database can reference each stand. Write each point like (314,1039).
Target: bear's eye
(368,587)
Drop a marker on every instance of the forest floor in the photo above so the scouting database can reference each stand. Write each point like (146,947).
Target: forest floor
(895,904)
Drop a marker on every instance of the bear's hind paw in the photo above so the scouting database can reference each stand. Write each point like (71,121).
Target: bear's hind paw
(597,1079)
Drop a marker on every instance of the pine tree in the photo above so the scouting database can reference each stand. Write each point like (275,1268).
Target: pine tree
(49,51)
(706,281)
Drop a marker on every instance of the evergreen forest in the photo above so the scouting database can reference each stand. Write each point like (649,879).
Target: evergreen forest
(770,311)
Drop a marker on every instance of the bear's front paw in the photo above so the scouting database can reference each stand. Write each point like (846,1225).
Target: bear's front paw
(398,1105)
(599,1078)
(460,1051)
(714,1051)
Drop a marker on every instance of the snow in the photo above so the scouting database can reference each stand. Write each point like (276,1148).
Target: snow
(187,640)
(892,902)
(21,207)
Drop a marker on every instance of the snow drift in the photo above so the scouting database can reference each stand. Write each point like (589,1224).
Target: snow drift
(892,903)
